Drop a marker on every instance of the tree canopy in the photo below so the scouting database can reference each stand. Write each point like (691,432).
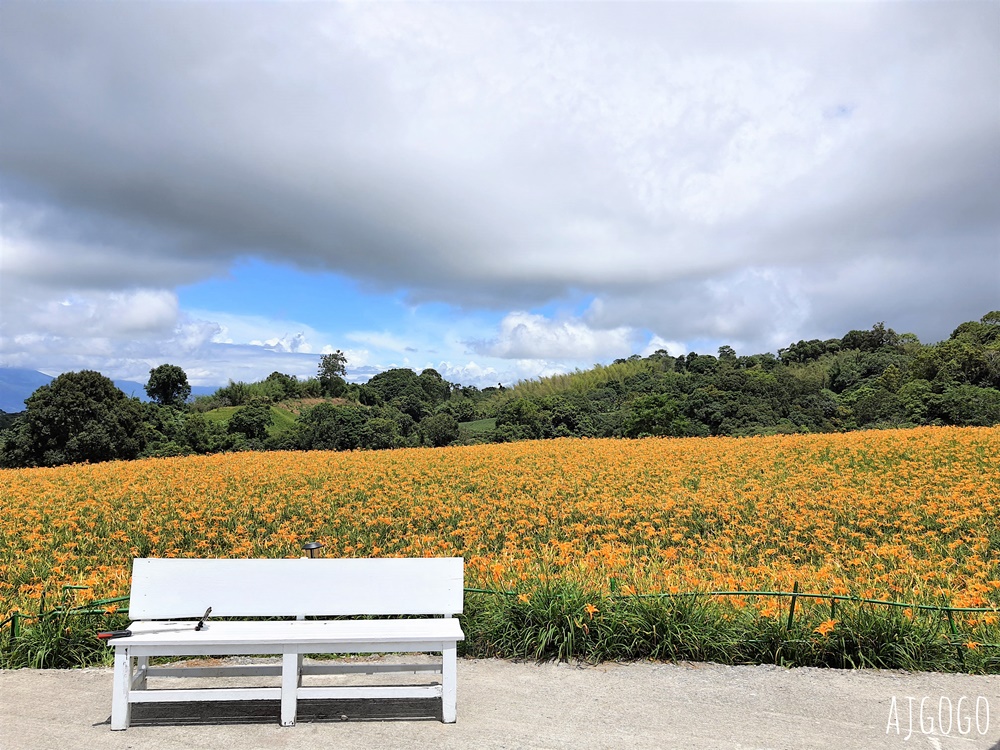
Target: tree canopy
(79,416)
(332,371)
(867,379)
(168,385)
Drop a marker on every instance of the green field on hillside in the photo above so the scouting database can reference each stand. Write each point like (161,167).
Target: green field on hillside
(282,420)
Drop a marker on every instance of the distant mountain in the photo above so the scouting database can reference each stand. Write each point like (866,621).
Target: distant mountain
(16,384)
(131,388)
(202,390)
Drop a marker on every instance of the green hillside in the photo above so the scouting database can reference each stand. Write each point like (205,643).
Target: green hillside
(282,419)
(871,379)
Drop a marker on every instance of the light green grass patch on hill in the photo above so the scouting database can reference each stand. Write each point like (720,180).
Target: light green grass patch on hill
(478,427)
(282,420)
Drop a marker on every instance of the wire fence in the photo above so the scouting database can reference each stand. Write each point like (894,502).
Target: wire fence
(96,607)
(108,606)
(794,595)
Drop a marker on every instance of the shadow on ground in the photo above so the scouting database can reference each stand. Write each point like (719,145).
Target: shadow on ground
(268,711)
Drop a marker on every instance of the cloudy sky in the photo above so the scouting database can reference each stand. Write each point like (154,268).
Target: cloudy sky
(496,190)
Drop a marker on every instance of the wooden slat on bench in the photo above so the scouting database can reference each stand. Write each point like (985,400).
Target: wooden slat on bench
(165,588)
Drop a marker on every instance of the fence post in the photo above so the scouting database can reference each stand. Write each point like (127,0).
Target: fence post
(954,632)
(15,626)
(791,608)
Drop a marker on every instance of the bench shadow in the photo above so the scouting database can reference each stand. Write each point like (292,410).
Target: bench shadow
(314,710)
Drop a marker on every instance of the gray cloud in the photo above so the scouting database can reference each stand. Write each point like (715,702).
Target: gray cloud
(751,172)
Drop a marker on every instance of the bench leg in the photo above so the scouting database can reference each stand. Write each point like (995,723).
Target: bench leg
(290,677)
(121,708)
(449,684)
(142,671)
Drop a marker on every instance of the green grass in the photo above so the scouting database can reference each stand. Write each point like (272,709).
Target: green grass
(478,431)
(221,415)
(282,420)
(479,426)
(562,621)
(554,622)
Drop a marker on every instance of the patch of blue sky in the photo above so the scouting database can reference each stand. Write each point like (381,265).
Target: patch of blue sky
(294,310)
(323,300)
(574,304)
(280,310)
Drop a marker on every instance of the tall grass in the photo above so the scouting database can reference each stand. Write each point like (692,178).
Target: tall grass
(563,622)
(579,381)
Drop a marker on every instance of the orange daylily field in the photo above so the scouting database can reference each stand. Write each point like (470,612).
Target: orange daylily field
(908,515)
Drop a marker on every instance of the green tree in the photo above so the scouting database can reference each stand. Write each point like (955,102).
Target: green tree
(282,386)
(331,427)
(168,385)
(404,389)
(204,436)
(436,388)
(871,341)
(234,394)
(381,433)
(525,420)
(461,408)
(654,415)
(332,373)
(79,416)
(251,421)
(439,430)
(967,405)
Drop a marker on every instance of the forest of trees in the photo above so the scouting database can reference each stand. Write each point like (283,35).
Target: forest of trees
(866,379)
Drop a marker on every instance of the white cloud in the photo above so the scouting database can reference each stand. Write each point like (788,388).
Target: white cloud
(753,310)
(288,343)
(381,340)
(470,373)
(143,311)
(194,334)
(709,173)
(86,313)
(525,335)
(673,348)
(260,330)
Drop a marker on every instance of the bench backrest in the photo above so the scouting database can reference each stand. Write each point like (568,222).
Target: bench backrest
(169,588)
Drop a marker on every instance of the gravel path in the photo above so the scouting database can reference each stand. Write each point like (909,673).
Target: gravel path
(515,705)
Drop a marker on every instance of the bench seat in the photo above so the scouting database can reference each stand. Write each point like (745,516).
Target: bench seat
(169,595)
(242,637)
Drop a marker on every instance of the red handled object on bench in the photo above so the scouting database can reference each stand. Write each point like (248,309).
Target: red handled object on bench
(107,635)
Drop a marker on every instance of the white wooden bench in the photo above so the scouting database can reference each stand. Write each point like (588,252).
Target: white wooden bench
(165,591)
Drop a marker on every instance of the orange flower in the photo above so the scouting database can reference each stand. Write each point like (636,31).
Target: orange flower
(826,627)
(591,610)
(900,514)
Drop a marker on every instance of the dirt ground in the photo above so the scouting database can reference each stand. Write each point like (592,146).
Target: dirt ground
(517,705)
